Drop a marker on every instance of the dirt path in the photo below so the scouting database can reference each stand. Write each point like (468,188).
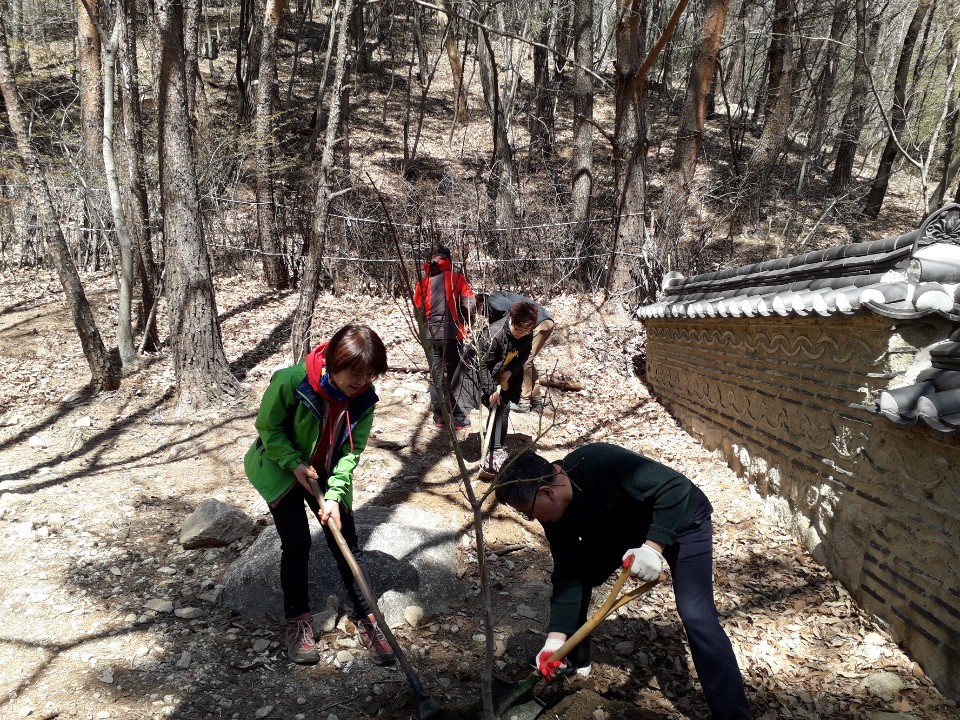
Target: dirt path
(93,494)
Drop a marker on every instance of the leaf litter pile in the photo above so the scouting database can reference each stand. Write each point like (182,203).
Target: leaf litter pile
(105,615)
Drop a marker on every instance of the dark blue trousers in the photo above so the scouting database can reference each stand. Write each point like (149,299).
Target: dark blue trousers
(690,559)
(691,564)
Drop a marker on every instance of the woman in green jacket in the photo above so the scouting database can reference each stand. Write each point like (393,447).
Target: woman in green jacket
(313,424)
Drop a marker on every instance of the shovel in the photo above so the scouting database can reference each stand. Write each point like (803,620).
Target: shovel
(428,706)
(507,694)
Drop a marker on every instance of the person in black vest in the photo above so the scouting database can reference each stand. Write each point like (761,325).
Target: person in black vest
(491,372)
(603,507)
(497,304)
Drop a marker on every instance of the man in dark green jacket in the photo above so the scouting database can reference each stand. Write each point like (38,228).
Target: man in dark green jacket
(603,506)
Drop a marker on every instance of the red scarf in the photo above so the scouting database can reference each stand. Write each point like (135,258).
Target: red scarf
(316,370)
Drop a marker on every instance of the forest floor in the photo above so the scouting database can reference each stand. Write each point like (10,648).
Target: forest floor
(93,493)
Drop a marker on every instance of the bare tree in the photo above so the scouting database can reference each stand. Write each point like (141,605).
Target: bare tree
(900,106)
(104,371)
(326,193)
(683,167)
(753,188)
(581,161)
(200,365)
(851,126)
(137,203)
(448,28)
(274,269)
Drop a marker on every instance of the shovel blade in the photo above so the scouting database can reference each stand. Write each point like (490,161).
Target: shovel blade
(530,710)
(507,694)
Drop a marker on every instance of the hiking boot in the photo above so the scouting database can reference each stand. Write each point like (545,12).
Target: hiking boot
(301,647)
(438,419)
(373,639)
(523,407)
(461,422)
(536,405)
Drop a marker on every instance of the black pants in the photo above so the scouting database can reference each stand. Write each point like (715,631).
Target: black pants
(444,360)
(690,559)
(290,517)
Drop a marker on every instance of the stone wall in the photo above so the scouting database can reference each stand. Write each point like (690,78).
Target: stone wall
(788,400)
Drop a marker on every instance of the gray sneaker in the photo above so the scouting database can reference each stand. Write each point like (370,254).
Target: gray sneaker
(301,647)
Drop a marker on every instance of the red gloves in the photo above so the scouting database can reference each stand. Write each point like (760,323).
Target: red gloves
(549,668)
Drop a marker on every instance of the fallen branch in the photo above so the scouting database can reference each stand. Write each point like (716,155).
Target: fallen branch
(560,383)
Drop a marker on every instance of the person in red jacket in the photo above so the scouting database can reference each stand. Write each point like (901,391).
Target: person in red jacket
(446,305)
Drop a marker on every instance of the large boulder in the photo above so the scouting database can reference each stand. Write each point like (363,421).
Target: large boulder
(410,555)
(214,524)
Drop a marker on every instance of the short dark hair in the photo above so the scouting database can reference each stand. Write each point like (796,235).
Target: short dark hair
(441,251)
(522,477)
(523,314)
(356,347)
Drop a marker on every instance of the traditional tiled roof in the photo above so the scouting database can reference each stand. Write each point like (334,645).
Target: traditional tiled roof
(904,277)
(907,276)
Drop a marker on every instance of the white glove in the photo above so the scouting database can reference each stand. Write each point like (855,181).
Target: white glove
(644,562)
(549,647)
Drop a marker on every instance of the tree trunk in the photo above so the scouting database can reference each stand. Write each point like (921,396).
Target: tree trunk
(301,340)
(898,114)
(851,125)
(21,58)
(773,139)
(636,275)
(274,268)
(137,204)
(453,57)
(91,120)
(581,160)
(542,128)
(125,276)
(947,160)
(690,135)
(200,365)
(825,82)
(104,370)
(502,172)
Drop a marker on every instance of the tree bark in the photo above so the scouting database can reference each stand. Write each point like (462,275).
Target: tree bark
(274,269)
(773,139)
(301,340)
(948,162)
(91,90)
(542,125)
(581,160)
(502,172)
(868,32)
(826,79)
(686,151)
(453,57)
(137,203)
(104,370)
(898,114)
(200,364)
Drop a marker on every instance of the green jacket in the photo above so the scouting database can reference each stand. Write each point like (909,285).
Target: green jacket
(288,428)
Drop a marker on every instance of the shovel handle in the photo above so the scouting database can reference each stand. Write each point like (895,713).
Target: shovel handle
(613,602)
(367,593)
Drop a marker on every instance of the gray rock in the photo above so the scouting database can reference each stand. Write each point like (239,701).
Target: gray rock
(159,605)
(214,524)
(325,620)
(410,558)
(886,685)
(260,645)
(413,614)
(624,648)
(184,660)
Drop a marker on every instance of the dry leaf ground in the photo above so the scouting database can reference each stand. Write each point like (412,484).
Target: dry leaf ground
(93,493)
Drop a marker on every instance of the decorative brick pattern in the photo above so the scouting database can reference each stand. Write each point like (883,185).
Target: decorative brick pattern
(791,402)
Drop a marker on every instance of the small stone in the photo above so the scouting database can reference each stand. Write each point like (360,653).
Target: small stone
(479,638)
(263,712)
(184,661)
(24,529)
(344,656)
(413,614)
(36,441)
(103,714)
(26,711)
(83,422)
(499,647)
(106,676)
(167,570)
(527,612)
(885,685)
(325,620)
(260,644)
(189,613)
(159,605)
